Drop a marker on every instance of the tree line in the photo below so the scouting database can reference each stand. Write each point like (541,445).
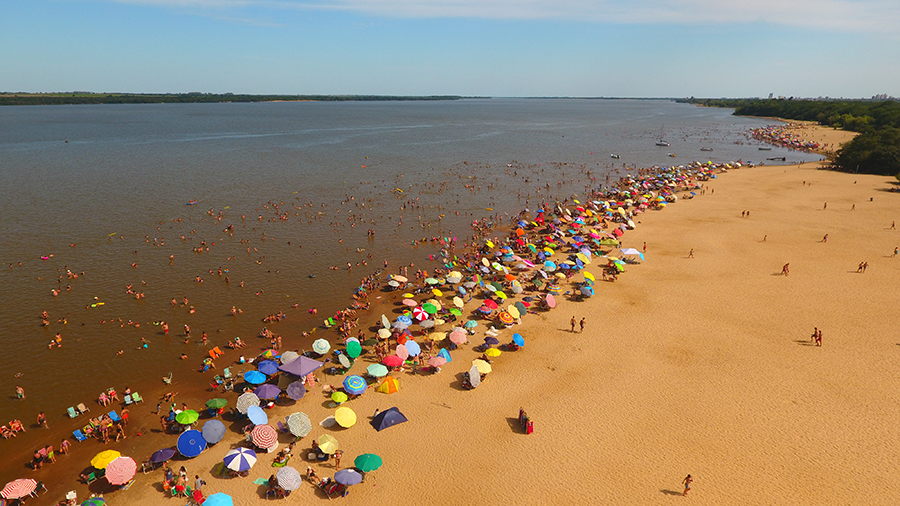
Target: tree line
(876,150)
(80,98)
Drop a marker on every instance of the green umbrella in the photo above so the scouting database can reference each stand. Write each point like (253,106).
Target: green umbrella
(370,342)
(367,462)
(354,349)
(430,308)
(216,403)
(455,311)
(432,281)
(187,417)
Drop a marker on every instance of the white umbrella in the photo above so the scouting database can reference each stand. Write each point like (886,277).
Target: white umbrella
(246,400)
(289,478)
(321,346)
(299,424)
(474,376)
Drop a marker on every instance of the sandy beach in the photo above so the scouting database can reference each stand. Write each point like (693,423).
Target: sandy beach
(700,366)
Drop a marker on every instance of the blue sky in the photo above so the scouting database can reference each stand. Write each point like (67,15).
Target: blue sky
(633,48)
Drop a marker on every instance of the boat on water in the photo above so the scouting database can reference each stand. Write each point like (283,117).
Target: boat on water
(191,202)
(706,149)
(613,155)
(765,148)
(672,155)
(781,158)
(662,143)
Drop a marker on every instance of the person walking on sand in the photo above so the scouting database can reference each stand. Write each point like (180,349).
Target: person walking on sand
(572,323)
(581,324)
(20,392)
(896,251)
(893,225)
(337,459)
(825,239)
(815,334)
(819,338)
(786,269)
(687,484)
(691,253)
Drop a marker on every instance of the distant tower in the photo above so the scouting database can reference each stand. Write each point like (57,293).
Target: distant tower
(771,95)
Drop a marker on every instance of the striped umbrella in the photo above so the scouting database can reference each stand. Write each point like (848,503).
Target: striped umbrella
(264,436)
(321,346)
(18,488)
(246,400)
(240,459)
(289,478)
(506,318)
(355,385)
(94,501)
(119,471)
(289,356)
(419,313)
(299,424)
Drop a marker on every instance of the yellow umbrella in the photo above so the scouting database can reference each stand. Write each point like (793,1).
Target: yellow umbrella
(549,251)
(328,443)
(439,321)
(493,352)
(583,258)
(513,311)
(436,302)
(339,397)
(485,261)
(102,459)
(489,244)
(612,258)
(455,274)
(408,295)
(560,275)
(458,302)
(588,275)
(437,336)
(437,293)
(576,201)
(482,366)
(501,295)
(345,417)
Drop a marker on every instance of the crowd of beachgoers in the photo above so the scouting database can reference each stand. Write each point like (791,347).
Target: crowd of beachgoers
(785,137)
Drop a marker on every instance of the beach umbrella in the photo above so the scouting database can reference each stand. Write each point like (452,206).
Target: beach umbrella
(254,377)
(402,352)
(264,436)
(474,377)
(246,400)
(518,339)
(344,360)
(102,459)
(427,324)
(160,456)
(268,367)
(437,293)
(354,349)
(419,313)
(270,353)
(18,488)
(301,366)
(506,318)
(458,337)
(239,459)
(471,324)
(327,443)
(404,319)
(445,355)
(289,478)
(94,501)
(355,384)
(187,417)
(493,352)
(191,443)
(376,370)
(399,278)
(339,397)
(490,304)
(392,361)
(384,333)
(437,361)
(437,336)
(586,290)
(430,308)
(267,391)
(218,499)
(521,308)
(296,390)
(458,302)
(348,477)
(213,431)
(384,321)
(288,356)
(400,325)
(216,403)
(388,418)
(491,340)
(119,471)
(413,348)
(482,366)
(513,311)
(321,346)
(393,284)
(367,462)
(345,417)
(257,415)
(432,281)
(484,309)
(409,302)
(370,342)
(389,386)
(299,424)
(551,301)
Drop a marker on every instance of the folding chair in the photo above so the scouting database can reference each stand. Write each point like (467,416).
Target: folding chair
(128,400)
(72,412)
(226,373)
(40,486)
(82,408)
(114,417)
(136,398)
(79,435)
(92,477)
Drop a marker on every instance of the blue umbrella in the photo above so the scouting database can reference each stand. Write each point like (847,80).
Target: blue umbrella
(267,391)
(296,390)
(213,431)
(446,354)
(257,415)
(587,290)
(461,290)
(191,443)
(219,499)
(162,455)
(268,367)
(355,384)
(471,324)
(239,459)
(347,477)
(518,339)
(254,377)
(413,348)
(404,319)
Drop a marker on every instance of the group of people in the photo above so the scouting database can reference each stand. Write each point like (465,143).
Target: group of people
(816,337)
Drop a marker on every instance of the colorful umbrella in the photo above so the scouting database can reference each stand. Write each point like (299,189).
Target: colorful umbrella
(119,471)
(219,499)
(187,417)
(18,488)
(392,361)
(299,424)
(506,318)
(327,443)
(289,478)
(493,352)
(339,397)
(254,377)
(239,459)
(102,459)
(94,501)
(345,417)
(367,462)
(471,324)
(551,301)
(458,337)
(354,349)
(437,361)
(321,346)
(264,436)
(191,443)
(519,340)
(347,477)
(213,431)
(419,314)
(430,308)
(355,384)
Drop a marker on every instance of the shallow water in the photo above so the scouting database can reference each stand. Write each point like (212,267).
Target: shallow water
(118,187)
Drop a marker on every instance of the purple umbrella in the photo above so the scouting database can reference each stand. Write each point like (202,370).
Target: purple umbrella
(296,390)
(301,366)
(268,367)
(162,455)
(267,391)
(491,340)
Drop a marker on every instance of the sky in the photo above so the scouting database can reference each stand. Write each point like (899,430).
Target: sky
(499,48)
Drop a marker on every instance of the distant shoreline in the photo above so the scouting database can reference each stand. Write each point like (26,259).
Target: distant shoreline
(88,98)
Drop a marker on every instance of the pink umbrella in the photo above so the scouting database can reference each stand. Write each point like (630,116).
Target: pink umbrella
(402,352)
(410,302)
(264,436)
(419,314)
(392,361)
(551,300)
(458,337)
(120,470)
(437,361)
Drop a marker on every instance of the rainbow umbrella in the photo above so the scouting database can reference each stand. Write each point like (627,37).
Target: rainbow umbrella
(355,384)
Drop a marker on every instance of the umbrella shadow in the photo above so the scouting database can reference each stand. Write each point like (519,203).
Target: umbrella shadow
(515,425)
(458,384)
(670,492)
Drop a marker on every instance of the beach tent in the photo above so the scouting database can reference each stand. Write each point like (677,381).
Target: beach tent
(389,385)
(388,418)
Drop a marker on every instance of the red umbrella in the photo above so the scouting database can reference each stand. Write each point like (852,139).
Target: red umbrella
(18,488)
(491,304)
(458,337)
(264,436)
(506,318)
(120,470)
(392,361)
(419,313)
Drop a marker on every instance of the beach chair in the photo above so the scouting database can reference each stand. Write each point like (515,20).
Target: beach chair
(281,427)
(128,400)
(114,417)
(82,408)
(72,412)
(226,373)
(40,486)
(168,379)
(136,397)
(79,436)
(92,477)
(127,485)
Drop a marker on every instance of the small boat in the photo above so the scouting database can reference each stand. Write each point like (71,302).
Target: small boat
(613,155)
(763,148)
(191,202)
(706,149)
(672,155)
(782,158)
(662,143)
